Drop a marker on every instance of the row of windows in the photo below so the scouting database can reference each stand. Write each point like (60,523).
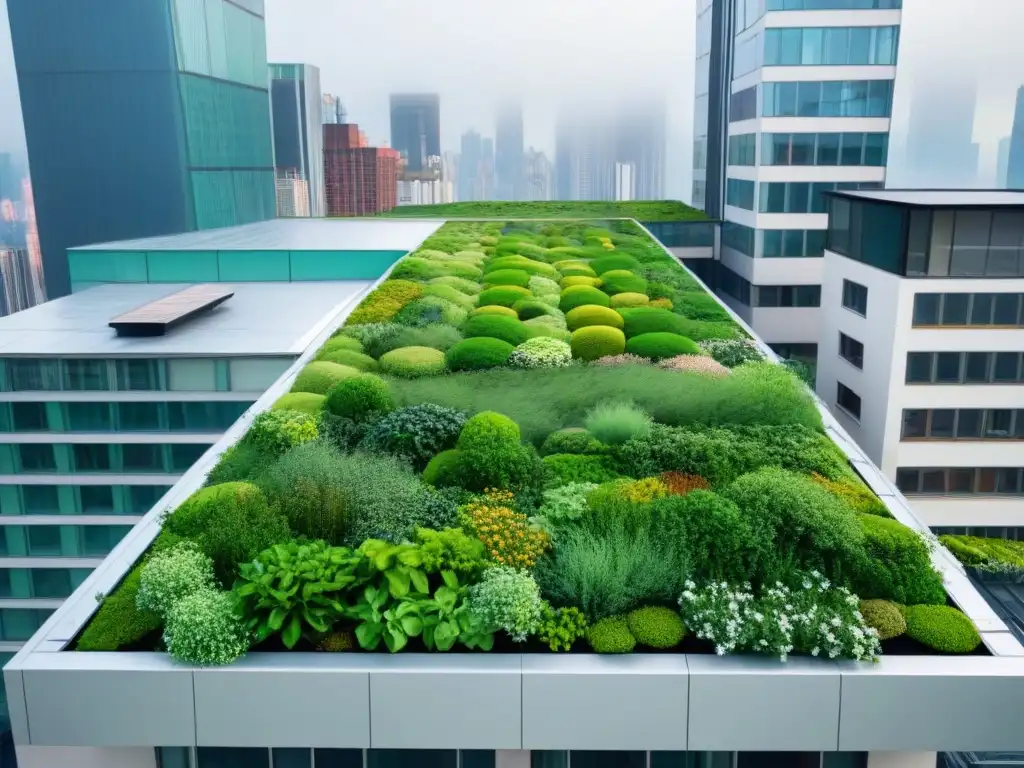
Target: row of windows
(749,295)
(60,540)
(792,243)
(964,368)
(963,424)
(832,5)
(253,374)
(806,353)
(1005,481)
(827,98)
(738,237)
(733,285)
(743,105)
(856,149)
(834,46)
(968,309)
(964,243)
(851,350)
(740,193)
(121,416)
(848,400)
(79,499)
(66,458)
(743,149)
(855,297)
(803,196)
(1013,533)
(867,232)
(19,624)
(40,583)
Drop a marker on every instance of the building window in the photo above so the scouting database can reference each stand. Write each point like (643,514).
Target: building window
(855,297)
(792,243)
(138,375)
(802,196)
(27,374)
(733,285)
(848,400)
(960,481)
(833,98)
(851,350)
(966,243)
(85,375)
(788,296)
(40,500)
(964,368)
(738,237)
(139,417)
(88,417)
(836,46)
(963,424)
(743,149)
(968,309)
(142,457)
(29,417)
(743,105)
(853,149)
(37,457)
(740,193)
(830,5)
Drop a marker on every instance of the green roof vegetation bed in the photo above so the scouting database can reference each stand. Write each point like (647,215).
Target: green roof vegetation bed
(641,210)
(498,452)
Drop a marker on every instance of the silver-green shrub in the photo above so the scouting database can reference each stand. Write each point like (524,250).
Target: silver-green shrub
(204,628)
(172,574)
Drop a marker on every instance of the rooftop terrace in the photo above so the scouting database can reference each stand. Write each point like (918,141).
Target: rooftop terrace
(941,198)
(641,210)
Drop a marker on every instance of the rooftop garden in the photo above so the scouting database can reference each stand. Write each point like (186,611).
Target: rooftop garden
(535,437)
(641,210)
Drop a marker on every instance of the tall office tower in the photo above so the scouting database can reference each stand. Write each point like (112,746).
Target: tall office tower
(584,157)
(640,143)
(940,150)
(508,153)
(1015,160)
(297,109)
(487,168)
(794,98)
(476,168)
(333,110)
(15,281)
(539,175)
(171,127)
(360,180)
(416,127)
(625,181)
(1003,162)
(35,254)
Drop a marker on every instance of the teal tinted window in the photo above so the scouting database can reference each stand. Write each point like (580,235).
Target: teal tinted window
(85,375)
(831,46)
(253,266)
(245,46)
(139,417)
(226,198)
(740,193)
(854,149)
(142,498)
(18,624)
(60,540)
(40,500)
(107,266)
(142,458)
(221,124)
(90,457)
(28,417)
(142,375)
(97,500)
(192,43)
(36,457)
(204,417)
(89,417)
(31,374)
(182,266)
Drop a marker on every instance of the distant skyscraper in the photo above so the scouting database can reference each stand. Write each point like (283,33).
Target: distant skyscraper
(539,176)
(584,158)
(640,142)
(476,168)
(360,180)
(1003,162)
(625,181)
(333,110)
(10,178)
(17,283)
(941,152)
(1015,160)
(508,157)
(487,168)
(297,106)
(416,127)
(142,118)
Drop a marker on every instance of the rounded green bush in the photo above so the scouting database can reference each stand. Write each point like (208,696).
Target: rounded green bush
(592,314)
(361,398)
(596,341)
(616,422)
(444,469)
(641,320)
(504,296)
(521,263)
(467,287)
(478,354)
(609,263)
(486,430)
(517,277)
(656,627)
(611,635)
(495,309)
(436,336)
(941,628)
(303,402)
(569,282)
(542,286)
(496,327)
(545,331)
(413,362)
(320,375)
(661,346)
(567,263)
(579,295)
(629,299)
(885,617)
(275,431)
(572,440)
(356,360)
(203,628)
(578,270)
(340,342)
(622,281)
(429,310)
(454,295)
(531,308)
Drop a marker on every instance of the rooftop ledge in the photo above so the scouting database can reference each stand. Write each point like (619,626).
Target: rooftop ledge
(514,700)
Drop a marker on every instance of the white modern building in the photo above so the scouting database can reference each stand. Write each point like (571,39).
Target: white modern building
(625,181)
(921,339)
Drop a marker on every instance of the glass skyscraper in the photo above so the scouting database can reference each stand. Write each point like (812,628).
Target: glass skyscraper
(298,139)
(142,118)
(416,128)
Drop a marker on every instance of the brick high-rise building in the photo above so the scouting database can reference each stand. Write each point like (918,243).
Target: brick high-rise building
(360,180)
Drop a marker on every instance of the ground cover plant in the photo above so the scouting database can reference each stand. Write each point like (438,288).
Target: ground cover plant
(544,437)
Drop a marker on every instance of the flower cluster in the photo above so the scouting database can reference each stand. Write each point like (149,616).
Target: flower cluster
(624,359)
(507,535)
(680,484)
(509,600)
(541,352)
(695,364)
(815,618)
(732,352)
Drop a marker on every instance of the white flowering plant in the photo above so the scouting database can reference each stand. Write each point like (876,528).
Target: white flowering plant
(509,600)
(541,352)
(205,628)
(732,352)
(813,617)
(172,574)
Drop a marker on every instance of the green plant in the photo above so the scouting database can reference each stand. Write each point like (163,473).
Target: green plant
(413,362)
(509,600)
(230,523)
(303,402)
(643,320)
(857,496)
(448,293)
(660,346)
(451,549)
(656,626)
(563,468)
(274,432)
(527,309)
(628,299)
(337,642)
(519,262)
(615,262)
(582,295)
(293,588)
(517,277)
(617,281)
(680,484)
(611,635)
(563,504)
(497,309)
(592,314)
(119,622)
(732,352)
(362,398)
(416,268)
(202,628)
(496,327)
(560,628)
(356,360)
(623,359)
(506,534)
(571,440)
(701,364)
(467,287)
(385,302)
(431,310)
(884,617)
(376,338)
(503,296)
(444,469)
(341,432)
(320,375)
(436,336)
(698,305)
(941,628)
(998,555)
(541,352)
(491,455)
(897,565)
(416,433)
(478,354)
(543,286)
(596,341)
(340,341)
(241,462)
(614,423)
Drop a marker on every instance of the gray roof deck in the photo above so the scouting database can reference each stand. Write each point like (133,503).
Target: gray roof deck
(940,198)
(260,319)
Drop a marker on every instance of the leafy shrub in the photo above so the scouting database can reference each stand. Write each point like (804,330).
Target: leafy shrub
(478,354)
(517,277)
(509,600)
(592,314)
(203,628)
(310,491)
(505,533)
(376,338)
(362,398)
(612,361)
(884,617)
(460,284)
(572,440)
(436,336)
(416,433)
(337,642)
(941,628)
(385,498)
(656,626)
(497,327)
(444,469)
(553,330)
(415,268)
(595,341)
(643,320)
(577,270)
(384,302)
(274,432)
(431,310)
(611,635)
(541,352)
(694,364)
(622,281)
(614,423)
(448,293)
(610,263)
(998,555)
(661,346)
(732,352)
(564,468)
(527,309)
(356,360)
(581,295)
(679,484)
(505,295)
(495,309)
(543,286)
(627,299)
(303,402)
(564,504)
(170,575)
(230,523)
(857,496)
(698,305)
(560,628)
(241,462)
(578,279)
(660,303)
(450,549)
(518,262)
(340,341)
(606,495)
(491,455)
(439,508)
(897,566)
(320,375)
(413,362)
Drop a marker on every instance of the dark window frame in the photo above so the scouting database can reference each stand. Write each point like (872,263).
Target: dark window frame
(964,378)
(848,350)
(853,407)
(912,481)
(851,290)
